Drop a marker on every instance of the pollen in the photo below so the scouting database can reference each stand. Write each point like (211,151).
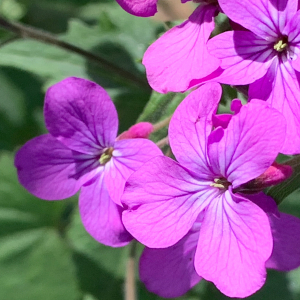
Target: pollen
(281,44)
(217,183)
(106,156)
(220,183)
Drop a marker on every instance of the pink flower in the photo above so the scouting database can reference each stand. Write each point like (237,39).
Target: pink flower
(266,57)
(81,152)
(170,272)
(166,200)
(179,59)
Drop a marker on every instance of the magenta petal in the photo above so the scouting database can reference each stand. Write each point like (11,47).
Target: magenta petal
(164,200)
(292,30)
(51,171)
(265,202)
(180,55)
(263,17)
(246,149)
(236,106)
(190,126)
(81,115)
(234,243)
(128,156)
(221,120)
(245,56)
(100,216)
(280,87)
(170,272)
(286,236)
(140,8)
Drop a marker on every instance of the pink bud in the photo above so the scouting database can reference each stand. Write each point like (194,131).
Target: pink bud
(275,174)
(139,130)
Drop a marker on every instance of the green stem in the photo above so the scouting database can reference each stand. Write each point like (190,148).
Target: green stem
(163,142)
(159,125)
(25,31)
(130,287)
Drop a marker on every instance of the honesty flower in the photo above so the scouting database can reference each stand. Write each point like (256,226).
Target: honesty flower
(170,272)
(266,57)
(179,59)
(81,151)
(165,198)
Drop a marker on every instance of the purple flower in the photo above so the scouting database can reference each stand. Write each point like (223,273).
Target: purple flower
(170,272)
(179,59)
(81,152)
(166,198)
(266,56)
(140,8)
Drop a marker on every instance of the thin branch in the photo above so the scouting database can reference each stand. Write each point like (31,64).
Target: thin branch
(130,288)
(163,142)
(25,31)
(161,124)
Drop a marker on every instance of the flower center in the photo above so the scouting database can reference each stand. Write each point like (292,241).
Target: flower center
(220,183)
(106,156)
(281,44)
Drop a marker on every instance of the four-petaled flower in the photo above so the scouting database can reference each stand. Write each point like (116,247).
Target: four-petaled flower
(167,200)
(81,152)
(266,57)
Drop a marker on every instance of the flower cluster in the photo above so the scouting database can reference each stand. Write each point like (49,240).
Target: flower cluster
(205,214)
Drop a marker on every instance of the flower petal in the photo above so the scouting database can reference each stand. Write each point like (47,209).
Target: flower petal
(190,126)
(265,202)
(128,156)
(140,8)
(51,171)
(81,115)
(286,236)
(265,18)
(292,30)
(164,200)
(170,272)
(280,87)
(246,149)
(100,216)
(180,56)
(235,242)
(245,56)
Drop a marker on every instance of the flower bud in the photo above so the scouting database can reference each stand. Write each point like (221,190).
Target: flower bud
(275,174)
(139,130)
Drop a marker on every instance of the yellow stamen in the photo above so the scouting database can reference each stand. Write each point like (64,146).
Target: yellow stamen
(106,156)
(217,184)
(280,46)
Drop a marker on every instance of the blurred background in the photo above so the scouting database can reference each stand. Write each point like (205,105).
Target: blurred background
(45,252)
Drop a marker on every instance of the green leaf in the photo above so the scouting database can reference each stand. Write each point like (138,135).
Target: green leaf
(100,269)
(35,261)
(52,64)
(21,103)
(12,9)
(160,107)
